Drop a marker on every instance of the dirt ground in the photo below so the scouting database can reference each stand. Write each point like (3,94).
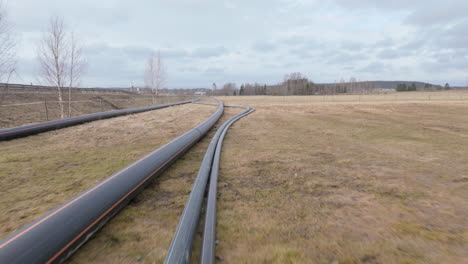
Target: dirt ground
(300,181)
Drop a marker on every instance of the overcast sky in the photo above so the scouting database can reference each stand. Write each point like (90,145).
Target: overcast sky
(206,41)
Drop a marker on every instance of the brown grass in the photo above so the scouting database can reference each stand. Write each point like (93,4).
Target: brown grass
(144,229)
(12,114)
(356,183)
(452,96)
(38,173)
(300,182)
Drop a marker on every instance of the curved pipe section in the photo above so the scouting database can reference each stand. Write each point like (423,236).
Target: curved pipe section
(32,129)
(55,236)
(181,245)
(207,255)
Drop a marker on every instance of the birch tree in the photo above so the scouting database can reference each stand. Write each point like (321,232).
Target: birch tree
(155,74)
(7,47)
(53,56)
(77,66)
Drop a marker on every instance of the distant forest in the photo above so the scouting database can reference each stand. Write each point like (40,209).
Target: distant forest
(297,84)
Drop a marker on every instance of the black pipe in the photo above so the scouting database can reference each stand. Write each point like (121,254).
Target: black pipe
(181,245)
(207,255)
(55,236)
(230,106)
(32,129)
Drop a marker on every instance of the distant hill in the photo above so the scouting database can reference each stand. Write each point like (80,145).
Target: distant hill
(384,84)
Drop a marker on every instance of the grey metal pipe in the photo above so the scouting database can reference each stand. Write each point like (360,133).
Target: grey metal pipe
(58,234)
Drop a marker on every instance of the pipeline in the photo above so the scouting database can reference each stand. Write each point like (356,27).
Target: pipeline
(32,129)
(181,245)
(207,255)
(58,234)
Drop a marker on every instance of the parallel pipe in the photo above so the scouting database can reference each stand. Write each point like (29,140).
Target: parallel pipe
(32,129)
(207,255)
(181,246)
(58,234)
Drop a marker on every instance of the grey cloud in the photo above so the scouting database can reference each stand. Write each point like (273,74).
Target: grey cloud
(293,40)
(209,52)
(136,52)
(301,52)
(446,61)
(432,39)
(388,54)
(415,43)
(394,53)
(384,43)
(306,48)
(214,70)
(375,67)
(123,63)
(455,37)
(174,53)
(420,13)
(292,36)
(386,5)
(352,45)
(346,58)
(264,46)
(440,12)
(190,69)
(116,66)
(127,62)
(142,52)
(298,40)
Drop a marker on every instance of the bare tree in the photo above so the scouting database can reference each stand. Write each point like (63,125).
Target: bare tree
(77,67)
(294,83)
(155,74)
(7,46)
(352,83)
(53,56)
(294,76)
(229,88)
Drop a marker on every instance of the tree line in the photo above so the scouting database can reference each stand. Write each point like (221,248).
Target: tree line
(298,84)
(403,87)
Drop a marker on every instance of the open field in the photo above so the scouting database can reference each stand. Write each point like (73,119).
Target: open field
(356,183)
(301,180)
(23,108)
(389,97)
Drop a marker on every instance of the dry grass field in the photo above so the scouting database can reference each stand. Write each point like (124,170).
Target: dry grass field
(354,182)
(24,108)
(302,180)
